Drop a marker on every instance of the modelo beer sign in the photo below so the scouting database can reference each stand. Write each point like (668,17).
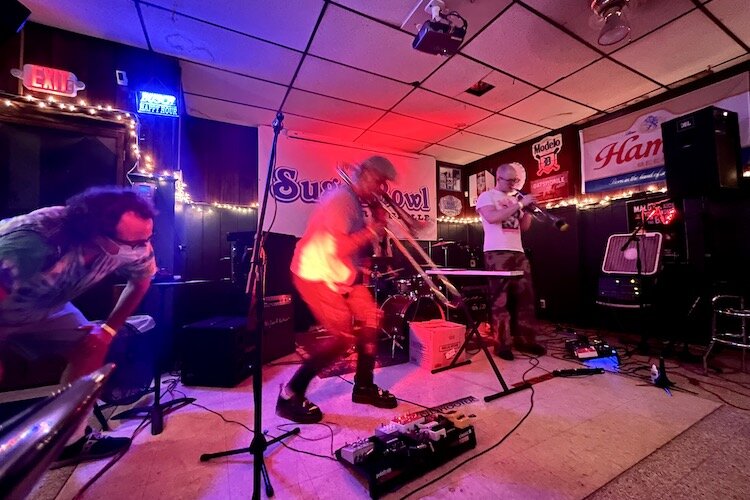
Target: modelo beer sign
(49,80)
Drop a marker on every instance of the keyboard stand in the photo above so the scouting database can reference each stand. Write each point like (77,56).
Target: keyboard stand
(474,331)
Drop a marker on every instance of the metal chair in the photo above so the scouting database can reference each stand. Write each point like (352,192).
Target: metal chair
(732,309)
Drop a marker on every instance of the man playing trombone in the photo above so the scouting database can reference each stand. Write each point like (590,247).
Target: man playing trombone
(326,272)
(512,299)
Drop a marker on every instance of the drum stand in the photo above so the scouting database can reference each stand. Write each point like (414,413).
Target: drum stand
(474,331)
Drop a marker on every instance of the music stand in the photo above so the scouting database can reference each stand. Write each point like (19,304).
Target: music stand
(474,331)
(256,288)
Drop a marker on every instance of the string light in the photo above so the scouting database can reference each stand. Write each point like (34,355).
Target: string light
(459,220)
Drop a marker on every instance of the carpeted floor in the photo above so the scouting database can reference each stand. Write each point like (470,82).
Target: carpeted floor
(709,460)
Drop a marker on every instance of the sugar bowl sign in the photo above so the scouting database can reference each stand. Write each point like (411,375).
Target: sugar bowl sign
(49,80)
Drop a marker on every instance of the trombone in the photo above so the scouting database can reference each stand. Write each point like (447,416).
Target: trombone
(409,226)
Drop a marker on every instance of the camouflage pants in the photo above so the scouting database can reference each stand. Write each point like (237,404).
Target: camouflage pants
(511,299)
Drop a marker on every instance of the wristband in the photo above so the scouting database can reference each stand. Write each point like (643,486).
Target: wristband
(108,329)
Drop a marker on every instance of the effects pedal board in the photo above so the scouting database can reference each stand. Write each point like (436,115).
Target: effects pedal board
(406,448)
(584,348)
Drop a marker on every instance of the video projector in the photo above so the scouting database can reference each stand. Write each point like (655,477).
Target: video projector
(439,38)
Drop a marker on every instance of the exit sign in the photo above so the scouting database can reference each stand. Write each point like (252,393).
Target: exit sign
(49,80)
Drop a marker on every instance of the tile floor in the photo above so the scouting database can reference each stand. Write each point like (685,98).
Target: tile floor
(580,434)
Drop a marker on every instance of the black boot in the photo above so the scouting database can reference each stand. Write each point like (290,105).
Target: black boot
(373,395)
(298,409)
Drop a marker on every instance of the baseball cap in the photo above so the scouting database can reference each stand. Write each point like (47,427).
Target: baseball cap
(381,166)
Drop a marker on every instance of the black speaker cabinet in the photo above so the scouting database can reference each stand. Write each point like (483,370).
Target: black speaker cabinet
(218,352)
(702,152)
(278,333)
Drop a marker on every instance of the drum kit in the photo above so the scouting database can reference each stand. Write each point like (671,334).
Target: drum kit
(402,298)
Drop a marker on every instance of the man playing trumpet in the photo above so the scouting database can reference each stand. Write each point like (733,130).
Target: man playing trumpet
(326,272)
(512,299)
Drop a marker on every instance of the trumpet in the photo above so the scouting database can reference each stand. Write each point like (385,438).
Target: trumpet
(408,225)
(542,215)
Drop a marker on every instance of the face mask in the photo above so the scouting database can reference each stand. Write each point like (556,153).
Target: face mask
(128,253)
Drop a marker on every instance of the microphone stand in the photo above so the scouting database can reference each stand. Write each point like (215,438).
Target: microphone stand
(256,289)
(642,346)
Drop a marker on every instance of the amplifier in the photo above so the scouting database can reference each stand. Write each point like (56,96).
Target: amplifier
(278,330)
(625,290)
(217,352)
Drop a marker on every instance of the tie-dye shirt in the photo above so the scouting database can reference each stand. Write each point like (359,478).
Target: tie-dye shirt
(40,277)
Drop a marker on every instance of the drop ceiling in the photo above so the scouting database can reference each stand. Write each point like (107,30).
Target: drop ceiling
(346,68)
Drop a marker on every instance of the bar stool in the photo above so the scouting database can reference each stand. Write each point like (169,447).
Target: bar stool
(728,306)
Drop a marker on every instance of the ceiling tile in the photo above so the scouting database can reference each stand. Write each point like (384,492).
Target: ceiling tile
(522,44)
(460,73)
(213,109)
(259,18)
(404,126)
(439,109)
(391,141)
(211,82)
(735,15)
(304,103)
(356,41)
(506,129)
(548,110)
(450,155)
(581,20)
(603,85)
(91,18)
(320,128)
(475,143)
(687,46)
(335,80)
(185,38)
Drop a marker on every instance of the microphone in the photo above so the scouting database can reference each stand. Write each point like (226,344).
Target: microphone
(542,215)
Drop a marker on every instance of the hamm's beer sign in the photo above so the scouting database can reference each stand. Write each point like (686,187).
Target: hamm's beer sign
(626,159)
(49,80)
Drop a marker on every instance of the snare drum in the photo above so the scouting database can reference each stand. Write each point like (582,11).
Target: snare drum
(403,286)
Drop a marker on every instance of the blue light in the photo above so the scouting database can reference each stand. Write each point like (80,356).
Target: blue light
(157,104)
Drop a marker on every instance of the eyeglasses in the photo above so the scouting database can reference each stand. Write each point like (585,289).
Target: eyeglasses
(512,181)
(134,243)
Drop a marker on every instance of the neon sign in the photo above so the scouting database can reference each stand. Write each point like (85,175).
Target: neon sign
(49,80)
(157,104)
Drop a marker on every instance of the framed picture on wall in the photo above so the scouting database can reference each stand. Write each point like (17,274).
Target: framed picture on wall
(450,179)
(478,184)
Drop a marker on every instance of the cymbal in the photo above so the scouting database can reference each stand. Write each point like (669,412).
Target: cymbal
(442,244)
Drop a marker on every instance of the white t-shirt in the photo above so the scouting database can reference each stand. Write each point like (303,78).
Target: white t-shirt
(504,235)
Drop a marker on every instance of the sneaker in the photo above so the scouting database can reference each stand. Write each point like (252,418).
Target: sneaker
(298,409)
(505,354)
(373,395)
(92,446)
(530,348)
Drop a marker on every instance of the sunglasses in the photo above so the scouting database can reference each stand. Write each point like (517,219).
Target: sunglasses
(512,181)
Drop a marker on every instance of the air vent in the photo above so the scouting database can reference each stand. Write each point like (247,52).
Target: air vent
(480,88)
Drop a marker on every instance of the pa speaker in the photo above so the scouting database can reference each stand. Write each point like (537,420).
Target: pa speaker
(13,15)
(702,152)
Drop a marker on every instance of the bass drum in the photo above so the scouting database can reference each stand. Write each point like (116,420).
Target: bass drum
(398,310)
